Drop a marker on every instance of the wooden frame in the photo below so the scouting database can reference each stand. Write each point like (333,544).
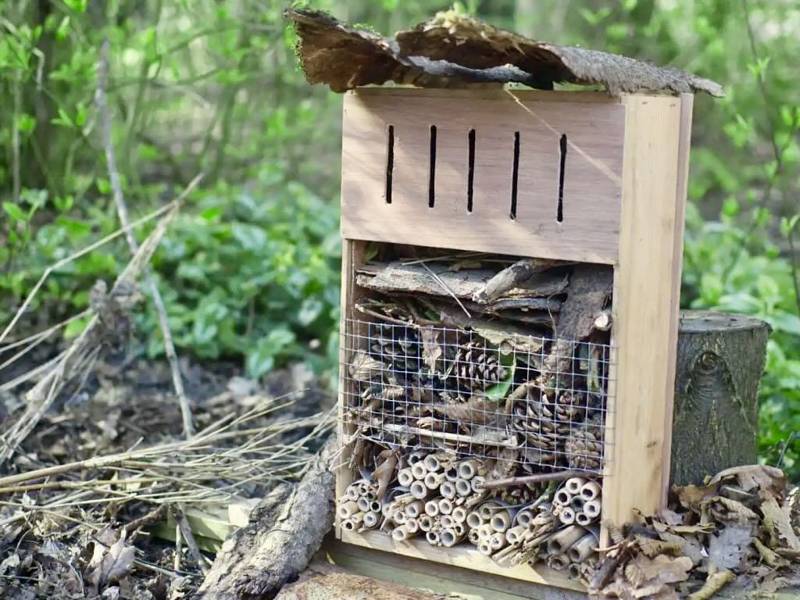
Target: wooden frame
(622,199)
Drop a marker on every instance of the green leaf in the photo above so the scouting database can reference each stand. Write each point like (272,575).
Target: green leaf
(499,390)
(15,212)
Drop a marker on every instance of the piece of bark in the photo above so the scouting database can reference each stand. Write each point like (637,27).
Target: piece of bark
(284,532)
(438,279)
(507,279)
(719,364)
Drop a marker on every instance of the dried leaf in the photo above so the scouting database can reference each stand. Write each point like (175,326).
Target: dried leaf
(691,496)
(662,569)
(778,522)
(384,473)
(715,582)
(363,367)
(754,477)
(112,559)
(731,547)
(431,350)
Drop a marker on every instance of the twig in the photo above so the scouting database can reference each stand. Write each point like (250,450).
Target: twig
(495,484)
(122,211)
(188,536)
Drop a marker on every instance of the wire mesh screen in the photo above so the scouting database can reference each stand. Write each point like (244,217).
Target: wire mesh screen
(541,403)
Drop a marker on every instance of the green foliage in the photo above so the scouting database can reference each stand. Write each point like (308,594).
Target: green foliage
(249,270)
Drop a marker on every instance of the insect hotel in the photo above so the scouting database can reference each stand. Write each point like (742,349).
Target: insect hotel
(510,291)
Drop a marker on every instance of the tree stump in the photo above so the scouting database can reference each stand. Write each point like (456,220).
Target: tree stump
(715,419)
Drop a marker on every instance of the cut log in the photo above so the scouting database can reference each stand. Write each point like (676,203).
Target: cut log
(715,420)
(284,532)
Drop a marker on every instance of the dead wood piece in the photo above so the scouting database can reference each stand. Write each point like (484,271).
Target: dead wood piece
(284,532)
(512,277)
(530,479)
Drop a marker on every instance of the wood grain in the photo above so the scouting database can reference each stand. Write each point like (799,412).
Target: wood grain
(646,304)
(594,127)
(464,555)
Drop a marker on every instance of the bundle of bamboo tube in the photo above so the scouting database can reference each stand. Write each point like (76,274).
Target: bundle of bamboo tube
(360,508)
(578,502)
(440,498)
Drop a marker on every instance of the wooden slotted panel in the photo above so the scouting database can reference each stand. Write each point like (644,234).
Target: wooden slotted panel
(594,130)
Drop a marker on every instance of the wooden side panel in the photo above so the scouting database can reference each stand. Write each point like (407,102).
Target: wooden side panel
(352,258)
(463,555)
(588,133)
(646,304)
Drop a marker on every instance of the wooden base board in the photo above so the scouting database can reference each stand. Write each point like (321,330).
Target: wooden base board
(437,577)
(463,556)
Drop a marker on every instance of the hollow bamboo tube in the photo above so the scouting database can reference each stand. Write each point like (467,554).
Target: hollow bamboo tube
(371,520)
(445,506)
(497,541)
(448,489)
(363,504)
(583,548)
(414,509)
(501,521)
(425,522)
(557,562)
(583,519)
(476,483)
(487,509)
(412,526)
(432,463)
(375,506)
(574,571)
(449,538)
(523,518)
(347,509)
(432,537)
(485,548)
(562,497)
(418,470)
(590,490)
(560,541)
(459,514)
(514,534)
(474,519)
(485,531)
(577,503)
(460,529)
(463,487)
(566,515)
(574,485)
(419,490)
(592,508)
(351,493)
(446,521)
(348,525)
(432,480)
(399,517)
(451,473)
(400,534)
(473,537)
(370,496)
(405,477)
(416,456)
(432,508)
(467,469)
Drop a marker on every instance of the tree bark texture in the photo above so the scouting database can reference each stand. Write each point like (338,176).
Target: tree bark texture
(284,532)
(715,420)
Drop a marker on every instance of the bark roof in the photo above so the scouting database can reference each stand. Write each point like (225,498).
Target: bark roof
(451,50)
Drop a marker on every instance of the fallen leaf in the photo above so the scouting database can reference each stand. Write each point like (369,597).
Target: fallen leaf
(363,367)
(111,560)
(754,477)
(431,350)
(777,521)
(730,548)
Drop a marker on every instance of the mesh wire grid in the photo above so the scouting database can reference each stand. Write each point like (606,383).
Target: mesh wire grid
(539,402)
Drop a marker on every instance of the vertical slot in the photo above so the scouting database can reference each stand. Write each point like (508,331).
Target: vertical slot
(389,164)
(470,168)
(561,174)
(515,177)
(432,173)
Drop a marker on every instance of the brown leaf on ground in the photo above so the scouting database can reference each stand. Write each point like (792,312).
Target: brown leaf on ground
(731,547)
(777,522)
(767,479)
(112,559)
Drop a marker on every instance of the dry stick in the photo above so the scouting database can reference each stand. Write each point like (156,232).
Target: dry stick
(122,211)
(529,479)
(41,396)
(191,543)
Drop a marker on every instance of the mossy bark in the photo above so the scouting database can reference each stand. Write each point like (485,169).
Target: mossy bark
(715,420)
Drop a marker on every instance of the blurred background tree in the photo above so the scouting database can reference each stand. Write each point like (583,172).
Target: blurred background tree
(249,271)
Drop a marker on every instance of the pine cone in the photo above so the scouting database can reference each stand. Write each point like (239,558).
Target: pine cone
(535,420)
(584,446)
(477,366)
